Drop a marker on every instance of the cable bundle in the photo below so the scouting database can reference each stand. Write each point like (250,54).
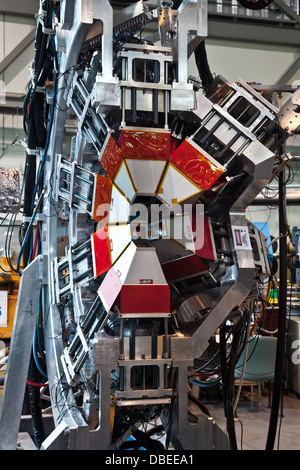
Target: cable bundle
(36,127)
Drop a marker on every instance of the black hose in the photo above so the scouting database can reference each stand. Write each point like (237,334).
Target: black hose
(29,185)
(36,130)
(36,139)
(145,441)
(37,48)
(34,403)
(202,65)
(199,403)
(227,370)
(280,351)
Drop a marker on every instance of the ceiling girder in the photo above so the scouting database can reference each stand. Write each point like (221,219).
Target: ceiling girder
(14,54)
(26,8)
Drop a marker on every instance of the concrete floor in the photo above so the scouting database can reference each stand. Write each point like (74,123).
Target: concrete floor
(253,415)
(252,421)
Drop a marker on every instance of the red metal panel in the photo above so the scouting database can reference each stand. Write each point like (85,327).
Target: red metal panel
(183,268)
(145,298)
(196,166)
(102,197)
(173,145)
(111,158)
(145,144)
(206,248)
(101,251)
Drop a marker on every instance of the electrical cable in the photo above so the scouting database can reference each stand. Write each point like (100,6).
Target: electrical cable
(36,358)
(288,329)
(28,232)
(127,417)
(211,358)
(276,239)
(40,385)
(202,65)
(38,336)
(145,441)
(280,351)
(228,378)
(199,403)
(3,220)
(37,138)
(262,309)
(34,403)
(244,366)
(34,121)
(9,235)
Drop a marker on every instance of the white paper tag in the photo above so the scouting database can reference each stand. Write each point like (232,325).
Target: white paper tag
(241,237)
(3,309)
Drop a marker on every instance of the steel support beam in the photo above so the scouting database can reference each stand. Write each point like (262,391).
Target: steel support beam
(288,11)
(14,54)
(19,354)
(257,33)
(290,72)
(26,8)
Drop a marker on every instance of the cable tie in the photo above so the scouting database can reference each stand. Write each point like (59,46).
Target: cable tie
(26,218)
(32,151)
(45,30)
(42,12)
(49,31)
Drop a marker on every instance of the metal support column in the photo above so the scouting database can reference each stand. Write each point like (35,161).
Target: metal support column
(19,354)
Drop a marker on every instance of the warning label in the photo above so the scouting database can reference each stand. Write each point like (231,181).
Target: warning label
(241,238)
(146,281)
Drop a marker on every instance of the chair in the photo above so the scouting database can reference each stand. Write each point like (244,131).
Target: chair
(260,364)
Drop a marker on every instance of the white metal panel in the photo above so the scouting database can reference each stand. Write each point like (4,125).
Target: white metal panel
(124,182)
(176,188)
(146,174)
(123,264)
(145,266)
(109,289)
(119,207)
(120,237)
